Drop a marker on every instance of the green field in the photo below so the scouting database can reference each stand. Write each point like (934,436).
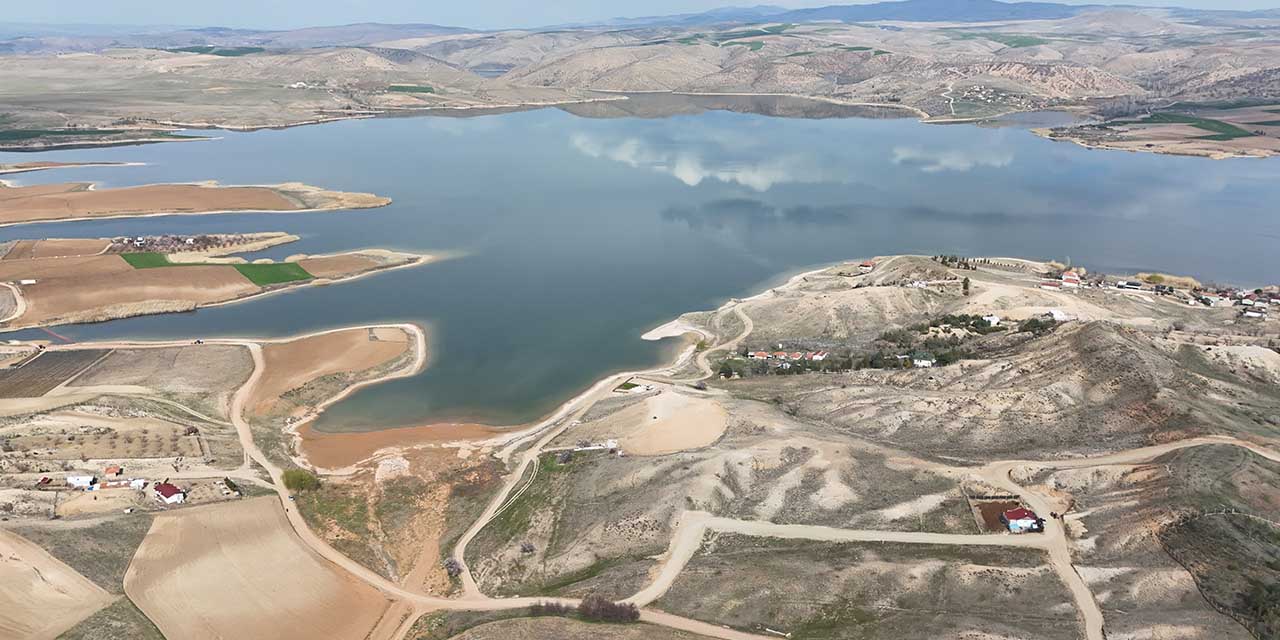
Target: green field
(1012,41)
(1221,130)
(28,134)
(275,273)
(410,88)
(226,52)
(1267,123)
(260,274)
(798,54)
(754,45)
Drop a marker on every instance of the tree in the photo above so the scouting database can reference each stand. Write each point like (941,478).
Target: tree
(300,480)
(966,285)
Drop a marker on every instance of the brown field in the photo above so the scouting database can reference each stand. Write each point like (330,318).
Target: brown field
(57,248)
(236,570)
(989,514)
(290,365)
(78,200)
(337,450)
(99,287)
(40,597)
(45,372)
(105,437)
(104,287)
(337,266)
(204,369)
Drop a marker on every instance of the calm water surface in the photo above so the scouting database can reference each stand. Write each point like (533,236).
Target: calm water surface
(580,234)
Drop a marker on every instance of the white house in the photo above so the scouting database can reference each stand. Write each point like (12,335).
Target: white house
(867,267)
(1020,520)
(168,494)
(923,361)
(81,482)
(991,320)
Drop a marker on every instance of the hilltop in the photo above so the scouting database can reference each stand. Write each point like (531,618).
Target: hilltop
(1209,76)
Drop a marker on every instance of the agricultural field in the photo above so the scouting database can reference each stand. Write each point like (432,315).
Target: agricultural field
(104,439)
(41,374)
(238,570)
(41,597)
(263,275)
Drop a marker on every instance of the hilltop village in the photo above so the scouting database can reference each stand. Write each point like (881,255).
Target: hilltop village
(978,436)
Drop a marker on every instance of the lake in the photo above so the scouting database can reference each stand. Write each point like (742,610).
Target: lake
(578,234)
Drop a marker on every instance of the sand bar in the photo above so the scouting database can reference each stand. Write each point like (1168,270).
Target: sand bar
(81,200)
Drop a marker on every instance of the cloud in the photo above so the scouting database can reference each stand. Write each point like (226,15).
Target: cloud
(692,167)
(754,214)
(935,161)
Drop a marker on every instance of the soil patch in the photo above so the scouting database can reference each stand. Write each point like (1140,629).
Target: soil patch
(41,597)
(237,570)
(290,365)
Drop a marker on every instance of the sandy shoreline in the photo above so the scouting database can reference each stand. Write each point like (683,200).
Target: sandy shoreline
(339,453)
(79,201)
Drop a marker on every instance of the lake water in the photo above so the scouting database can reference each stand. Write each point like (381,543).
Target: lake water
(579,234)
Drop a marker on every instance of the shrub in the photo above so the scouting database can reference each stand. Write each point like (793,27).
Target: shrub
(597,608)
(300,480)
(550,609)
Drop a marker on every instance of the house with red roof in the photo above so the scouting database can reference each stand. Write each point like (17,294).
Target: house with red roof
(168,493)
(867,266)
(1021,520)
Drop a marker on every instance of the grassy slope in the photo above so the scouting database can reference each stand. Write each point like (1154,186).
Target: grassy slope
(101,552)
(119,621)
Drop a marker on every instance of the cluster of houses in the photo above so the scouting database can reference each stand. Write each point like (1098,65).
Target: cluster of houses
(1252,304)
(785,360)
(794,356)
(1069,279)
(164,492)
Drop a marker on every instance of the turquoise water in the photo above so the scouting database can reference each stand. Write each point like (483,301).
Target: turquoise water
(580,234)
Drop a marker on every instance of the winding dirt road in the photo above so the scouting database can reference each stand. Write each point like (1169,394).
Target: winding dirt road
(692,525)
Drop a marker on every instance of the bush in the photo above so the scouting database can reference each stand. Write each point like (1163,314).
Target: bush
(1038,325)
(550,609)
(300,480)
(597,608)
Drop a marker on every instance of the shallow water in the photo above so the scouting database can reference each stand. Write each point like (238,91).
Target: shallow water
(579,234)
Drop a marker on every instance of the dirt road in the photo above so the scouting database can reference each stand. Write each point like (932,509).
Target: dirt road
(692,525)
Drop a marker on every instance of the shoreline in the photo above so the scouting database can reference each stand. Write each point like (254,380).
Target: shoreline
(19,168)
(510,437)
(416,261)
(337,201)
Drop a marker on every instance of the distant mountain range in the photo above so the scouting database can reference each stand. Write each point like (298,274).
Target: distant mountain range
(32,38)
(917,11)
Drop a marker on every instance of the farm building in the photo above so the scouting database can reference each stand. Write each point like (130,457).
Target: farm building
(81,482)
(168,494)
(1021,520)
(867,267)
(991,320)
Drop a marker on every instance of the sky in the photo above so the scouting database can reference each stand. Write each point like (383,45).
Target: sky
(484,14)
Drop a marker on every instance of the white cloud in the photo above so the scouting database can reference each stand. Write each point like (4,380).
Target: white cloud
(691,168)
(935,161)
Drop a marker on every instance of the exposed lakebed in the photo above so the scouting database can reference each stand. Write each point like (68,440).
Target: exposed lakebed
(578,234)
